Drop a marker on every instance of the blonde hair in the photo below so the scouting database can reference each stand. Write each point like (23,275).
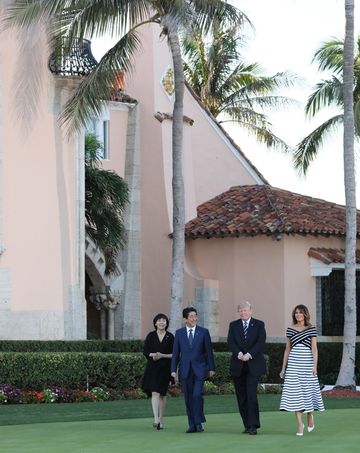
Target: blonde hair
(244,304)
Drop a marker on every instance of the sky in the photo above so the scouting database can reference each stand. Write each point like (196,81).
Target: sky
(287,33)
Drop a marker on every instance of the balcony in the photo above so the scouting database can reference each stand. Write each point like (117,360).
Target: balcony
(77,61)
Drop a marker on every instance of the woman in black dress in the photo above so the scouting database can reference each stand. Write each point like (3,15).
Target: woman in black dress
(158,347)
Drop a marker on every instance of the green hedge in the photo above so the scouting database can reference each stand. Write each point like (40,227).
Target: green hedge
(38,370)
(71,346)
(75,362)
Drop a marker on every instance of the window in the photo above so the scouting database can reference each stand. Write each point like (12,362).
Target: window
(100,128)
(331,301)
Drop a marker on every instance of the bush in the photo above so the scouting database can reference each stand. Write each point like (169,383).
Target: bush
(38,370)
(71,346)
(46,364)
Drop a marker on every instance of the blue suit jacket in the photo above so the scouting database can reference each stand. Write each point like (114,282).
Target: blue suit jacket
(199,356)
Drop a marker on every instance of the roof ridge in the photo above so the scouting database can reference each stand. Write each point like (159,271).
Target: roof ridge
(269,191)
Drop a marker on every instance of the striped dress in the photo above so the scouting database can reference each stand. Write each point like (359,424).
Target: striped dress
(301,390)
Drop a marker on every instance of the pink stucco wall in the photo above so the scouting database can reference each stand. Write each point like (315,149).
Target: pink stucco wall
(273,275)
(210,167)
(39,186)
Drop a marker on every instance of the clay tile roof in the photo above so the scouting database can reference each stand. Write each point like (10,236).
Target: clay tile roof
(328,255)
(120,96)
(262,209)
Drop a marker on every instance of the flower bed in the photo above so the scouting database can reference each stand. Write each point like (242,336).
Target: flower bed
(11,395)
(341,393)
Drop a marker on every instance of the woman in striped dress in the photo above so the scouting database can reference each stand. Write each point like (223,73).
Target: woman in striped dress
(301,390)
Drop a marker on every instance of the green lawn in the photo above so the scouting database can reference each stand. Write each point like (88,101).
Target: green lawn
(126,427)
(18,414)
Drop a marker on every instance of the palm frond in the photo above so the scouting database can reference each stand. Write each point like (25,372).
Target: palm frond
(211,13)
(98,18)
(99,85)
(24,13)
(329,56)
(106,197)
(357,118)
(258,126)
(327,93)
(307,149)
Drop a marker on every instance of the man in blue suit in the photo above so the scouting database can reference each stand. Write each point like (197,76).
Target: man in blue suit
(192,352)
(246,341)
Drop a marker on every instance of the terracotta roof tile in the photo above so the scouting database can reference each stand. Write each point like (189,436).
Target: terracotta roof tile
(119,96)
(329,255)
(262,209)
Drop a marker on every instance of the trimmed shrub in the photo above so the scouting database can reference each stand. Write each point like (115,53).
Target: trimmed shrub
(38,370)
(120,364)
(71,346)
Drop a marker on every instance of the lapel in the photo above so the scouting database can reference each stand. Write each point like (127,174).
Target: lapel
(251,329)
(197,335)
(185,338)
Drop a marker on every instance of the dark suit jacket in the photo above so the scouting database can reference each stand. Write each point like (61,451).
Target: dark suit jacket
(199,356)
(254,345)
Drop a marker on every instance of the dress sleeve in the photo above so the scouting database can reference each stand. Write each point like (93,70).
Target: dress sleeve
(313,332)
(147,346)
(288,333)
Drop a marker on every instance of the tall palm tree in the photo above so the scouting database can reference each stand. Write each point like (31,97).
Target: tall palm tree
(232,89)
(329,93)
(79,19)
(342,91)
(106,196)
(346,377)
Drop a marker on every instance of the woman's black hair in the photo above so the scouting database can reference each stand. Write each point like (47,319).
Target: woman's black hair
(161,316)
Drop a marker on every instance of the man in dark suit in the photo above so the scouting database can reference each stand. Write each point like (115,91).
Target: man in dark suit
(192,352)
(246,340)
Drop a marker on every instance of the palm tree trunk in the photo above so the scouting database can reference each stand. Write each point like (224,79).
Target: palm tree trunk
(178,244)
(346,377)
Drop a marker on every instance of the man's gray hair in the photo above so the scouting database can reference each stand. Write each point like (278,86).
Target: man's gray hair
(244,304)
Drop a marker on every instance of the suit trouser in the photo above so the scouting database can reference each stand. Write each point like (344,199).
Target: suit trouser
(245,388)
(194,400)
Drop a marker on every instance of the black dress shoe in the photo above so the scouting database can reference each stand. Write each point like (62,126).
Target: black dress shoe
(252,431)
(199,429)
(246,431)
(191,429)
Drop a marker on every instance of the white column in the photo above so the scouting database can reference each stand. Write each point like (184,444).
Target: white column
(128,316)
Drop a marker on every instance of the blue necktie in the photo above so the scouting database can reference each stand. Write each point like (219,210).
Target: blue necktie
(245,329)
(191,338)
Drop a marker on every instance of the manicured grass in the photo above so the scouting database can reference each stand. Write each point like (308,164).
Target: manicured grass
(335,431)
(127,409)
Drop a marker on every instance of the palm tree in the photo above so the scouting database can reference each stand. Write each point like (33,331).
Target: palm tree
(106,196)
(78,19)
(342,91)
(329,93)
(346,377)
(233,90)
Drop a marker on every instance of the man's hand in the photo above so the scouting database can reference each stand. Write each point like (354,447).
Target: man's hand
(245,357)
(211,373)
(173,374)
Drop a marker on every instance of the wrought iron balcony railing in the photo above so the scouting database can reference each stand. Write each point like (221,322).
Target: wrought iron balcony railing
(76,61)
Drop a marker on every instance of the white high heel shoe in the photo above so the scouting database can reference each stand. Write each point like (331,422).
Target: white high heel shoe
(302,432)
(311,428)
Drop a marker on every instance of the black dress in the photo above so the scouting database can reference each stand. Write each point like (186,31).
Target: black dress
(157,372)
